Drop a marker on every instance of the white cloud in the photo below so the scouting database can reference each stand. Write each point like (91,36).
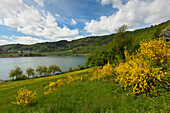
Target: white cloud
(3,36)
(20,39)
(40,2)
(3,42)
(57,15)
(6,37)
(116,3)
(79,37)
(32,21)
(134,13)
(27,40)
(73,22)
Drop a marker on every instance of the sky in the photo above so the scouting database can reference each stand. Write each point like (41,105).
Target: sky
(35,21)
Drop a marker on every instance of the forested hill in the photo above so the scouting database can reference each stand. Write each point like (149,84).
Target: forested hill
(88,44)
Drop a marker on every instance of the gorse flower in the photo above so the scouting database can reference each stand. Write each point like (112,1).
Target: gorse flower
(60,82)
(139,75)
(106,72)
(158,51)
(143,72)
(24,97)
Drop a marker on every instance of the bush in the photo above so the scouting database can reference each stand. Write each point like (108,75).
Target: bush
(75,68)
(143,72)
(70,69)
(24,97)
(22,77)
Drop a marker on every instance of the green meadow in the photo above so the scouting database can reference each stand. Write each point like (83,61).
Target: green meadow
(105,96)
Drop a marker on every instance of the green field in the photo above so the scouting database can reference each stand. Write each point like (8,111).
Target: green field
(80,96)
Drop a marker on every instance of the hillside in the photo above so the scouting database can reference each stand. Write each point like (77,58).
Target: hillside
(86,45)
(138,84)
(79,96)
(130,39)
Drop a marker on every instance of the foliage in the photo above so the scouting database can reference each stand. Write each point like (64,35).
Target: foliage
(122,29)
(41,70)
(70,69)
(80,66)
(24,97)
(61,82)
(75,68)
(130,39)
(105,73)
(90,97)
(22,77)
(53,68)
(158,51)
(30,71)
(54,85)
(17,72)
(140,73)
(90,45)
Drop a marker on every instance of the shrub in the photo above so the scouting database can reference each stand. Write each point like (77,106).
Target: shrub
(22,77)
(106,72)
(70,69)
(157,50)
(24,97)
(143,71)
(54,85)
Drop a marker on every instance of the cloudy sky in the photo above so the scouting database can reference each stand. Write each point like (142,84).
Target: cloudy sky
(33,21)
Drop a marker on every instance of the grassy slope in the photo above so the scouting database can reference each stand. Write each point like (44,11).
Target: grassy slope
(86,96)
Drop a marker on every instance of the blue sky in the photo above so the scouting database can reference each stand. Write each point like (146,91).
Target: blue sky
(34,21)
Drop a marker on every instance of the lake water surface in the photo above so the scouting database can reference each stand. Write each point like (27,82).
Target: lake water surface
(64,62)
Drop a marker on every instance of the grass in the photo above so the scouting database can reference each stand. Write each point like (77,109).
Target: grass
(80,96)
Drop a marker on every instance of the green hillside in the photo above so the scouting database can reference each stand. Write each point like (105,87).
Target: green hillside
(79,96)
(131,39)
(89,44)
(131,81)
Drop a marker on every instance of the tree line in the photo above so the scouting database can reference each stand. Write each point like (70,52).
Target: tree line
(17,73)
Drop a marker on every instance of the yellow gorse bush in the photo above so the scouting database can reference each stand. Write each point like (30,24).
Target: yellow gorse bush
(142,72)
(60,82)
(106,72)
(139,75)
(54,85)
(158,51)
(24,97)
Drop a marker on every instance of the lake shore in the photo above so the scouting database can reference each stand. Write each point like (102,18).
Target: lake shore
(13,56)
(64,62)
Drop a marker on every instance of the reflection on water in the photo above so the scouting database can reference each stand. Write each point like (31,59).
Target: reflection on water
(64,62)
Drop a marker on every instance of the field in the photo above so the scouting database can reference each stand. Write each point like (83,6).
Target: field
(79,96)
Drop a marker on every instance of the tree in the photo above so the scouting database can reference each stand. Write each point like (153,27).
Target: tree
(70,69)
(17,72)
(41,70)
(30,72)
(121,30)
(53,68)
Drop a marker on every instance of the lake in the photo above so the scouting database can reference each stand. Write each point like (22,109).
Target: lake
(64,62)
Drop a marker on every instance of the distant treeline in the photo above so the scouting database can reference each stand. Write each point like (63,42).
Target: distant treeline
(30,54)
